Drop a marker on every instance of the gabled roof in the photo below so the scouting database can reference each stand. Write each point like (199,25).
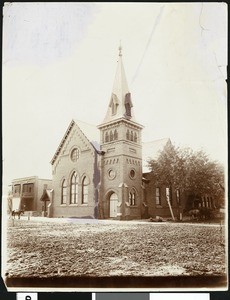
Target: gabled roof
(151,150)
(47,193)
(91,133)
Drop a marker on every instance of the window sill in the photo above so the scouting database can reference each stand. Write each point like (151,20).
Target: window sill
(73,204)
(159,206)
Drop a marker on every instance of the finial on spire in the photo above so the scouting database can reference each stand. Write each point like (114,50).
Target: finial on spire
(120,48)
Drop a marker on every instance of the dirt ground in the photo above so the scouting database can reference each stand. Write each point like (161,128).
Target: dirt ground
(42,247)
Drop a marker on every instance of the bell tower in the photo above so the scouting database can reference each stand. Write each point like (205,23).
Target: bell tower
(121,162)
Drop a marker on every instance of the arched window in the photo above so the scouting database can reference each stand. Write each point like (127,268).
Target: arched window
(115,135)
(111,136)
(106,137)
(135,137)
(74,189)
(64,192)
(75,154)
(131,136)
(127,135)
(85,190)
(132,197)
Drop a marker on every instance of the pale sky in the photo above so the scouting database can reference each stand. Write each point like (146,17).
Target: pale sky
(59,63)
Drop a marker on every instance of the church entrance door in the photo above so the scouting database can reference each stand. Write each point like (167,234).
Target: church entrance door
(113,200)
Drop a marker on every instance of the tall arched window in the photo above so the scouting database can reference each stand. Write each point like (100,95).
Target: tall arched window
(111,136)
(132,197)
(64,192)
(131,136)
(85,190)
(135,137)
(127,135)
(115,135)
(74,189)
(106,137)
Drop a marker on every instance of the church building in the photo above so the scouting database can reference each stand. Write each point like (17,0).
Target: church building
(102,171)
(97,171)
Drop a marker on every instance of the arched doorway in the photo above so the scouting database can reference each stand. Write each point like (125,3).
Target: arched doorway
(113,201)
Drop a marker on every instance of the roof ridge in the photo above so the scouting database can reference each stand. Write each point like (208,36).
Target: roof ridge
(77,120)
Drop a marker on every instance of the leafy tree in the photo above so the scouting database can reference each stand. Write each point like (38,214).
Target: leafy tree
(188,170)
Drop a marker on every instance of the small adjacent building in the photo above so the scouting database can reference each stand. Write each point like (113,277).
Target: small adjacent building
(27,192)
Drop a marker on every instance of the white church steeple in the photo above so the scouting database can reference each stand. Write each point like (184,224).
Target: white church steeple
(120,105)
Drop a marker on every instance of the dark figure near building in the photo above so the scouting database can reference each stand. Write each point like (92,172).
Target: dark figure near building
(17,212)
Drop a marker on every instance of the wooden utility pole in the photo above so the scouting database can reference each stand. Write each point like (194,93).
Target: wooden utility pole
(169,204)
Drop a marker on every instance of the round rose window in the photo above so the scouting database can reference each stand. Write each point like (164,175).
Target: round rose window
(132,173)
(111,173)
(74,154)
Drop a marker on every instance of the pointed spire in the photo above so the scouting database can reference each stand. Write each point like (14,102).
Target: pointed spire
(120,105)
(120,86)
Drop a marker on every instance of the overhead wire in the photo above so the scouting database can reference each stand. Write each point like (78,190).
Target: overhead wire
(157,20)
